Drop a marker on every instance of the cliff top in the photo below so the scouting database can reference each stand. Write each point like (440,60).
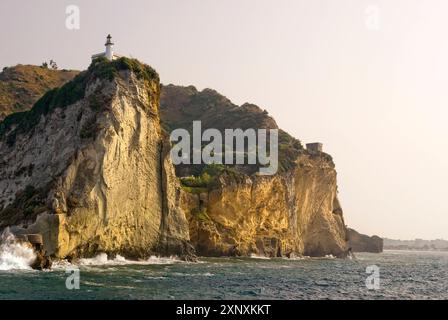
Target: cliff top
(22,85)
(70,92)
(179,106)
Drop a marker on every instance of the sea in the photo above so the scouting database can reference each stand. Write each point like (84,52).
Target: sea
(389,275)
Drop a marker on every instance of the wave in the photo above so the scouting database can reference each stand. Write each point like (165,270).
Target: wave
(180,274)
(294,257)
(257,256)
(13,254)
(102,260)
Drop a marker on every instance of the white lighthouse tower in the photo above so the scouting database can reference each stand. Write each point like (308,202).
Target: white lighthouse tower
(109,48)
(109,53)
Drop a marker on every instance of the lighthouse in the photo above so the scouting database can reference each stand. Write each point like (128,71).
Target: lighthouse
(109,48)
(109,52)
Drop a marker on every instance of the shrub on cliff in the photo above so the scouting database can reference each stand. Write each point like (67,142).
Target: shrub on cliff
(55,98)
(28,204)
(208,179)
(105,69)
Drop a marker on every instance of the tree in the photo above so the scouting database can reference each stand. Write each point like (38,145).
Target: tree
(44,65)
(53,65)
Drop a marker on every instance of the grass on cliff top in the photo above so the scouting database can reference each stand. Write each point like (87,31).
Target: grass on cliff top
(208,179)
(180,106)
(105,69)
(289,149)
(72,92)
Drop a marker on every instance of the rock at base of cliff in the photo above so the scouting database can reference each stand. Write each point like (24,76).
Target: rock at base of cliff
(362,243)
(42,262)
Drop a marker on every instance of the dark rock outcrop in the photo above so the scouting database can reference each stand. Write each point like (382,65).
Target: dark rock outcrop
(362,243)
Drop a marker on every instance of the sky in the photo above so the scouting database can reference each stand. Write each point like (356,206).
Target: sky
(368,79)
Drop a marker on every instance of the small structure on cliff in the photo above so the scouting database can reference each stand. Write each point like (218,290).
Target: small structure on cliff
(109,53)
(314,147)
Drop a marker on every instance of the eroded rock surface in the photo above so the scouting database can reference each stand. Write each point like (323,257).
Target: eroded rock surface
(297,212)
(93,177)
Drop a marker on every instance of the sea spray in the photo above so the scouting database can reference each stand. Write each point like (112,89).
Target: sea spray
(258,256)
(13,254)
(102,259)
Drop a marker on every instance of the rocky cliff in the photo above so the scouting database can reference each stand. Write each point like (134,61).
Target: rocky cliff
(362,243)
(291,213)
(239,212)
(88,168)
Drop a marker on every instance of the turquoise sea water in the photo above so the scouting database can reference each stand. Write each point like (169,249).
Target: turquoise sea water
(403,275)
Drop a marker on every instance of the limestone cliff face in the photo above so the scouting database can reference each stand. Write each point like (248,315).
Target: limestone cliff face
(94,176)
(296,212)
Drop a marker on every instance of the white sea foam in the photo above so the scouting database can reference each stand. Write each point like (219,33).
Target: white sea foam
(14,255)
(257,256)
(180,274)
(102,260)
(294,257)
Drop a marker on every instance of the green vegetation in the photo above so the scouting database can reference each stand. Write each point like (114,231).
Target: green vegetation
(89,129)
(72,92)
(105,69)
(180,106)
(289,149)
(55,98)
(33,203)
(208,179)
(194,190)
(201,215)
(22,85)
(94,103)
(28,204)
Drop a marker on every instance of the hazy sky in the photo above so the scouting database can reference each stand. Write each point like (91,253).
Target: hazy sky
(369,79)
